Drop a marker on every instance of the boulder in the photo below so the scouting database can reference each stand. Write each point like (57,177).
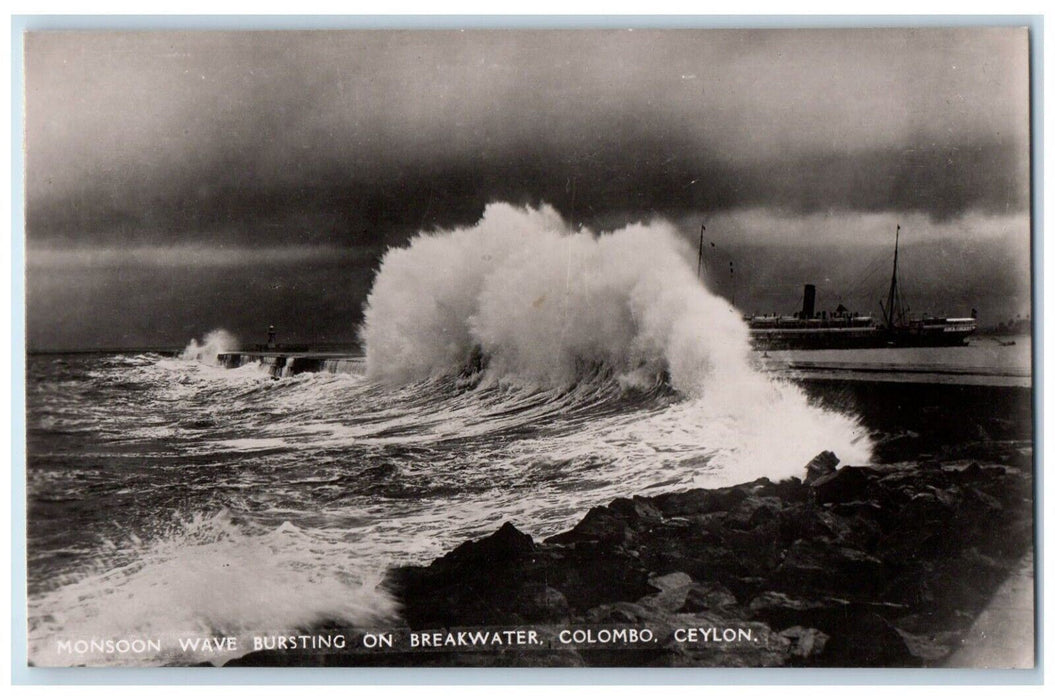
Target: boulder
(752,511)
(804,642)
(639,512)
(709,595)
(816,566)
(846,484)
(673,588)
(821,465)
(600,525)
(865,639)
(781,610)
(506,543)
(692,502)
(670,582)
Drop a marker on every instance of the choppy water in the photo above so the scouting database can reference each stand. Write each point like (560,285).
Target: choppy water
(170,496)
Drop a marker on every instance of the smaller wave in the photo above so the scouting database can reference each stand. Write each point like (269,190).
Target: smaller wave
(214,343)
(210,575)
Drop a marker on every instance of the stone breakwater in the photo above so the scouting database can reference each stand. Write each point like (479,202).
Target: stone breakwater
(853,566)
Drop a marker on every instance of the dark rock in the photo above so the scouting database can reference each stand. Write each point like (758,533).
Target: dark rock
(709,595)
(817,566)
(693,502)
(870,510)
(863,639)
(752,511)
(506,543)
(781,610)
(803,521)
(730,498)
(698,555)
(538,603)
(758,551)
(862,566)
(600,525)
(622,612)
(928,648)
(638,511)
(973,472)
(926,527)
(805,642)
(976,498)
(841,530)
(846,484)
(789,491)
(673,588)
(671,582)
(712,523)
(821,465)
(699,501)
(593,575)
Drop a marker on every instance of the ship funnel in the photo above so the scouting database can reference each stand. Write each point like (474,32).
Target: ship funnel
(809,298)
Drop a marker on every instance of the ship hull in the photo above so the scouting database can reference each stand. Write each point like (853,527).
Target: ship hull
(856,338)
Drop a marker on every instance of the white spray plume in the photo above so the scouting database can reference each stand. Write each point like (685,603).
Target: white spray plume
(214,343)
(539,300)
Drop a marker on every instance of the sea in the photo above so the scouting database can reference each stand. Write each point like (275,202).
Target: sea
(511,371)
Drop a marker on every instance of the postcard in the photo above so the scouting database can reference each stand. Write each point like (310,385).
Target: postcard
(612,347)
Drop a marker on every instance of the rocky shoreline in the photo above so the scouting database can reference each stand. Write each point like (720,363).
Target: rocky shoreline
(883,565)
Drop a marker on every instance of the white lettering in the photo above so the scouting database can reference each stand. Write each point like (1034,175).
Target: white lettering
(374,641)
(694,635)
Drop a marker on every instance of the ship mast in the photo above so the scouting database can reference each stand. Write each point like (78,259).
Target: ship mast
(699,257)
(893,303)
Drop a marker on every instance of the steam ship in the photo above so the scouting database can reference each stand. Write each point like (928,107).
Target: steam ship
(810,330)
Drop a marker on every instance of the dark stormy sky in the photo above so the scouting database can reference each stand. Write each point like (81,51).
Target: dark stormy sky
(178,182)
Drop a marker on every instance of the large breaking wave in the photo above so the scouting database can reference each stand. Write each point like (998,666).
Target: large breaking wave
(529,302)
(539,301)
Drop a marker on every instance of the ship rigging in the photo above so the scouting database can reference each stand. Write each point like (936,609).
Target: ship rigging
(841,328)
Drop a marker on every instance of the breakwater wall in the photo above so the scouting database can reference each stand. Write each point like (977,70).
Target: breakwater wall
(286,364)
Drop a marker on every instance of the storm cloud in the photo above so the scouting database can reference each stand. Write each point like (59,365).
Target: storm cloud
(340,140)
(351,136)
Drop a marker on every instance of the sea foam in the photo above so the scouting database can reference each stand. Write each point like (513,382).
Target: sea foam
(207,576)
(214,343)
(539,302)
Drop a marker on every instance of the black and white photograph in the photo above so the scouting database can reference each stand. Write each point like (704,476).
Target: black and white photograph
(529,347)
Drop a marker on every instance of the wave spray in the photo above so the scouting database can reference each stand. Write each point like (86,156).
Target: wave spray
(214,343)
(538,304)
